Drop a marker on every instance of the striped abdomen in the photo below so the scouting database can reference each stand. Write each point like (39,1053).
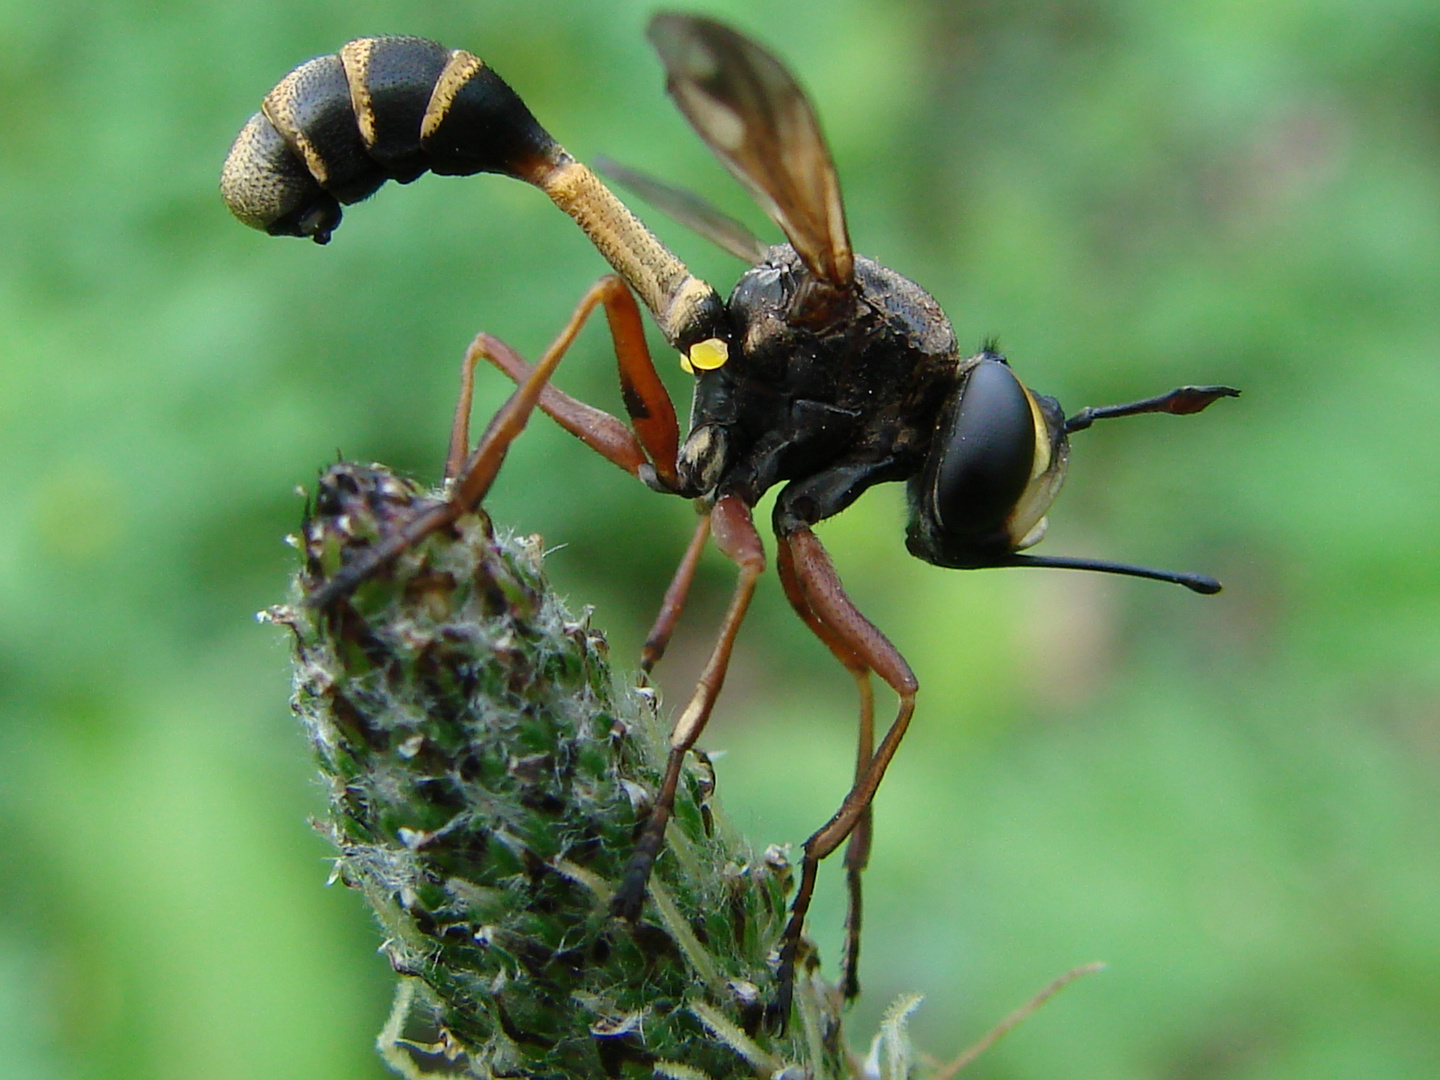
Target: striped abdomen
(384,108)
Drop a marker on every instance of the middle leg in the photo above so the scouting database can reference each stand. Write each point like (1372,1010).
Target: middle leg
(857,847)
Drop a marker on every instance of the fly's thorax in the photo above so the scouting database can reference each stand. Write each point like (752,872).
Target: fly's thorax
(891,334)
(760,306)
(794,397)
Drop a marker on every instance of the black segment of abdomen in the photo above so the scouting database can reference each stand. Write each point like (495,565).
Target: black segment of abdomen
(313,101)
(401,75)
(487,129)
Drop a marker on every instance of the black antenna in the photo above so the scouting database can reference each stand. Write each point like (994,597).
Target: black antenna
(1200,583)
(1180,402)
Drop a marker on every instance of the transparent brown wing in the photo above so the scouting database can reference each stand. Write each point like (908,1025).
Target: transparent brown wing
(757,120)
(689,210)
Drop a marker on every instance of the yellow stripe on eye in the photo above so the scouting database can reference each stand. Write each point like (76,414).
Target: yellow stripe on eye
(1042,437)
(706,356)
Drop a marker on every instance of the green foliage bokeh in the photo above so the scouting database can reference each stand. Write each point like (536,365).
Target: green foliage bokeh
(1231,800)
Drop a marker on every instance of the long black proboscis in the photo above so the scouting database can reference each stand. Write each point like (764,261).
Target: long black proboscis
(1200,583)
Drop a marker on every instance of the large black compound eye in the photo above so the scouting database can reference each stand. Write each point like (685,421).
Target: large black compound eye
(984,458)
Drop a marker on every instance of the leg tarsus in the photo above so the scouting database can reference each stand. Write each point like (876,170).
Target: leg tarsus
(370,561)
(850,958)
(629,898)
(857,848)
(777,1014)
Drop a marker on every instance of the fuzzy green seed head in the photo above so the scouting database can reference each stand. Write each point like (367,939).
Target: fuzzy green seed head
(486,778)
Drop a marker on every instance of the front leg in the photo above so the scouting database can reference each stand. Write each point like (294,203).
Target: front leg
(649,453)
(857,848)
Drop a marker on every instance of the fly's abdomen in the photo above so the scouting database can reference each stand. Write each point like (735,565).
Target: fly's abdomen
(383,108)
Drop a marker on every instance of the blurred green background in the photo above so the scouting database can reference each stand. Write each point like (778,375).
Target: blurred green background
(1231,800)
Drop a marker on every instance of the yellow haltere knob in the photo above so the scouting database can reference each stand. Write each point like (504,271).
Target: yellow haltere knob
(706,356)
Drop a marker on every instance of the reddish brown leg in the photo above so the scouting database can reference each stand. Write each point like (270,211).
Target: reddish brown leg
(822,592)
(460,427)
(857,848)
(600,431)
(614,441)
(472,481)
(658,639)
(857,852)
(653,417)
(735,535)
(651,412)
